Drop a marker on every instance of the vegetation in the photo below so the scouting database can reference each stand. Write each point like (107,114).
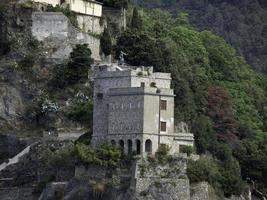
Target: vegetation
(67,12)
(105,42)
(76,70)
(82,112)
(136,20)
(116,3)
(186,149)
(243,24)
(218,95)
(162,155)
(222,176)
(107,155)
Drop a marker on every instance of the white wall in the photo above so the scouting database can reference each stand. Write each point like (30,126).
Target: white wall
(79,6)
(84,7)
(52,2)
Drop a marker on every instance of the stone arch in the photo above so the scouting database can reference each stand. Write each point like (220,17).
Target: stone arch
(130,146)
(113,142)
(138,147)
(121,144)
(148,146)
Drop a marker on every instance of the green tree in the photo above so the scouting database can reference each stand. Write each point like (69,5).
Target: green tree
(136,20)
(106,43)
(79,64)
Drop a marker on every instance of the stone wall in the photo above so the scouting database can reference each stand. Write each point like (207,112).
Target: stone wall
(155,181)
(59,37)
(90,24)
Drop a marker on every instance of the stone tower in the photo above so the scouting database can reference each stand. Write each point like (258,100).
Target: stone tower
(134,109)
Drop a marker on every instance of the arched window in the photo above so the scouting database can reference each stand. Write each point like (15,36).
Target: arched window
(121,143)
(113,142)
(148,146)
(130,146)
(138,147)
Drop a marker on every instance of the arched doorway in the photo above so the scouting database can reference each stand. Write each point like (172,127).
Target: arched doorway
(130,146)
(121,143)
(113,142)
(148,146)
(138,147)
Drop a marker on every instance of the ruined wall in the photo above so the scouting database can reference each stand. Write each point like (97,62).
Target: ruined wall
(59,37)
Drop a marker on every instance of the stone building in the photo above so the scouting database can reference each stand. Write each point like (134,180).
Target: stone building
(134,109)
(88,12)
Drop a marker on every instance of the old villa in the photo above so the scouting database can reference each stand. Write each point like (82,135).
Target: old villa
(134,109)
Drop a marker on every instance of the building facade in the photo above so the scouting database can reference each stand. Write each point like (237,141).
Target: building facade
(87,7)
(134,109)
(88,13)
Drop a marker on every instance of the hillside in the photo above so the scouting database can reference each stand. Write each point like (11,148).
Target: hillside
(222,99)
(241,23)
(219,96)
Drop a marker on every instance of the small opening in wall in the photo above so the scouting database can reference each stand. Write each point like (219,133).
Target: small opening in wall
(163,104)
(153,84)
(143,84)
(138,147)
(148,146)
(121,143)
(130,146)
(113,142)
(163,126)
(100,95)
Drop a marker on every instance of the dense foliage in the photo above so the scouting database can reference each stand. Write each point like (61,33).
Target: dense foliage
(218,95)
(76,70)
(105,42)
(81,112)
(115,3)
(106,155)
(241,23)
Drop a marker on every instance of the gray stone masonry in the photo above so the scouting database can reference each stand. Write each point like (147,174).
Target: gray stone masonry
(59,37)
(134,109)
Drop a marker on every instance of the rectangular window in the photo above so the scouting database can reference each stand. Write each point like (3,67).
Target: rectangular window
(163,126)
(143,84)
(163,104)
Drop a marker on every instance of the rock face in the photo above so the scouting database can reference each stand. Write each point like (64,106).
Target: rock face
(59,36)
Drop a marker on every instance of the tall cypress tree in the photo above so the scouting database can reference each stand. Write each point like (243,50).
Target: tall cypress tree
(136,20)
(105,42)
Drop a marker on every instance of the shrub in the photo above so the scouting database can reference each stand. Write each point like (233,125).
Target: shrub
(26,63)
(76,70)
(106,155)
(27,4)
(186,149)
(82,112)
(223,176)
(162,153)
